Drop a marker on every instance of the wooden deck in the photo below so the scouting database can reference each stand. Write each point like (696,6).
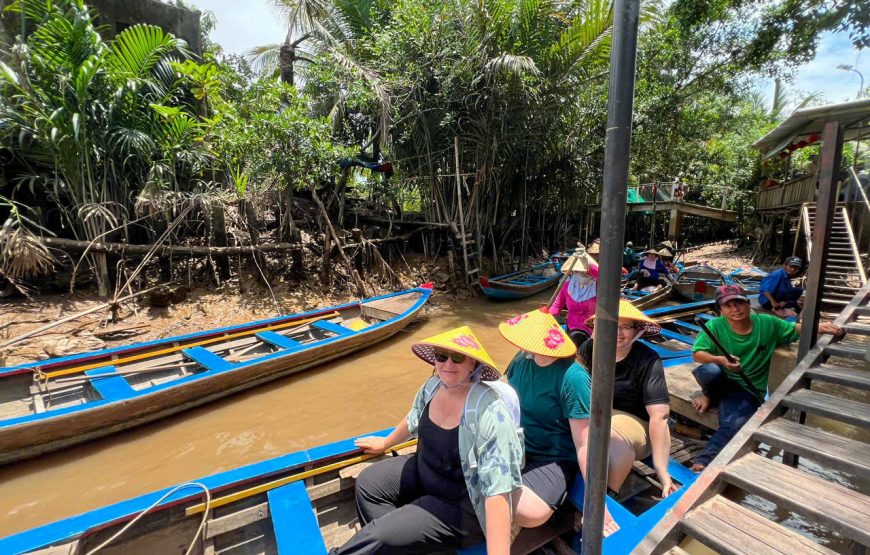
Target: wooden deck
(707,512)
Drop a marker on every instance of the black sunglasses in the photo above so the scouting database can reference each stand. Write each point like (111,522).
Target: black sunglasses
(442,356)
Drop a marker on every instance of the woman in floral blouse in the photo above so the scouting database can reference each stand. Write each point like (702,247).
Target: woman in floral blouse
(456,490)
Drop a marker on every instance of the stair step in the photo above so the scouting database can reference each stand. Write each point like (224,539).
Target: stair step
(728,528)
(676,550)
(847,351)
(828,503)
(830,406)
(850,377)
(836,451)
(858,329)
(834,301)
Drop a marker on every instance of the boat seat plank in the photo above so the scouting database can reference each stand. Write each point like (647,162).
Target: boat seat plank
(830,406)
(334,328)
(728,528)
(677,336)
(112,387)
(293,520)
(278,340)
(840,509)
(207,359)
(850,377)
(836,451)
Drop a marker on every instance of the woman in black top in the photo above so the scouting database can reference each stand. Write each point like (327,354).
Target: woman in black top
(641,403)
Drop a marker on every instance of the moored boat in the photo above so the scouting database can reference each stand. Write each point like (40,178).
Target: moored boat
(522,284)
(297,503)
(55,403)
(699,282)
(749,278)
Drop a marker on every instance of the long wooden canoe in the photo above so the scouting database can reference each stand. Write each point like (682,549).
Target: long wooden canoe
(522,284)
(55,403)
(301,503)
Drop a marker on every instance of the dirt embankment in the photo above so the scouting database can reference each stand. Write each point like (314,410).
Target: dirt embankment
(198,308)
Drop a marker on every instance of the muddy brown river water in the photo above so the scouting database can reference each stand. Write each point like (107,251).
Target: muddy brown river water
(370,390)
(367,391)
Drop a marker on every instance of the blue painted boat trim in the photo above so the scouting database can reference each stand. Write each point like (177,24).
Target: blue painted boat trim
(293,521)
(278,340)
(69,528)
(112,387)
(52,413)
(204,333)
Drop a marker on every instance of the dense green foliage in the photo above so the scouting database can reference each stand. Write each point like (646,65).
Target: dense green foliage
(114,131)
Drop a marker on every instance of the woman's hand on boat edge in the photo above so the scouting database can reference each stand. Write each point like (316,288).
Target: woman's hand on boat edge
(372,444)
(668,485)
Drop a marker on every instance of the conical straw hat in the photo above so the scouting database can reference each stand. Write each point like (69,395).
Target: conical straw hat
(631,312)
(539,333)
(579,261)
(459,340)
(595,247)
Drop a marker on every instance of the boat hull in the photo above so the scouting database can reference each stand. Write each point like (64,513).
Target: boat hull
(26,437)
(509,287)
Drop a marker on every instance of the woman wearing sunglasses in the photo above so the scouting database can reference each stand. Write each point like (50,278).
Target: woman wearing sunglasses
(455,491)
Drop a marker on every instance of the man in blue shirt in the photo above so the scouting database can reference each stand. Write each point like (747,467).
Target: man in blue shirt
(777,293)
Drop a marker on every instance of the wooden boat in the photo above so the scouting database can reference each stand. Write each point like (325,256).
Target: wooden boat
(648,299)
(55,403)
(522,284)
(300,503)
(698,282)
(747,278)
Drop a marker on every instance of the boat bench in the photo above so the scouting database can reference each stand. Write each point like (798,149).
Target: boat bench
(293,520)
(111,388)
(337,329)
(278,340)
(207,359)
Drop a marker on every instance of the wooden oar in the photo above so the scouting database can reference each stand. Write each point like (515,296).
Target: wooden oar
(743,377)
(150,354)
(262,488)
(565,276)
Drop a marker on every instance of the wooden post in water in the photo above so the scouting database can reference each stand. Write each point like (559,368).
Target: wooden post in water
(617,152)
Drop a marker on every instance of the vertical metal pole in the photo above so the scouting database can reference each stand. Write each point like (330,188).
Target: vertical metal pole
(617,148)
(832,151)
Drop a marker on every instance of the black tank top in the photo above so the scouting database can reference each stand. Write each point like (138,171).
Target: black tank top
(439,467)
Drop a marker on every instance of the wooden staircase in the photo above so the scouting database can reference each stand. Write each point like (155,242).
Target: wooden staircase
(830,493)
(845,273)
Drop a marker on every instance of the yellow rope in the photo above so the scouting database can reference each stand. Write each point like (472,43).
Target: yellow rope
(133,358)
(233,497)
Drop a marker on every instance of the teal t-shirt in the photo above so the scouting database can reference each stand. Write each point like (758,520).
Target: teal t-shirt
(549,396)
(754,349)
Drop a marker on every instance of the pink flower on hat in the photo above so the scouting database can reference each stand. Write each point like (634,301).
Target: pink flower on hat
(517,319)
(554,339)
(466,341)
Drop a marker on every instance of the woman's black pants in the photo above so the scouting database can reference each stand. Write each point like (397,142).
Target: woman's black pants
(397,517)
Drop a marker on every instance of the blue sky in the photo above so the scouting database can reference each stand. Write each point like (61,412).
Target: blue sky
(243,25)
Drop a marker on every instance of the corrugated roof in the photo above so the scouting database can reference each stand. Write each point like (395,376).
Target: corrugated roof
(811,121)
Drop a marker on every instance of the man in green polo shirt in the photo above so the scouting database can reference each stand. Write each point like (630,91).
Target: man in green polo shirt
(737,386)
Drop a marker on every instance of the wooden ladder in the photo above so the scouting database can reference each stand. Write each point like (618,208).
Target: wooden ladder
(826,383)
(845,273)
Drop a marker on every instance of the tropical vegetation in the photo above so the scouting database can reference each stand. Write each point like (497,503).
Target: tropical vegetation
(136,139)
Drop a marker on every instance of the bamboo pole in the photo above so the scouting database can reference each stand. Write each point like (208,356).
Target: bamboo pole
(361,290)
(262,488)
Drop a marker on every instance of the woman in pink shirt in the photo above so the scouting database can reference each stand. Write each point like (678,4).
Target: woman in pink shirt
(578,294)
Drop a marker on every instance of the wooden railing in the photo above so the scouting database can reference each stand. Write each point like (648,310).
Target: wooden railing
(790,193)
